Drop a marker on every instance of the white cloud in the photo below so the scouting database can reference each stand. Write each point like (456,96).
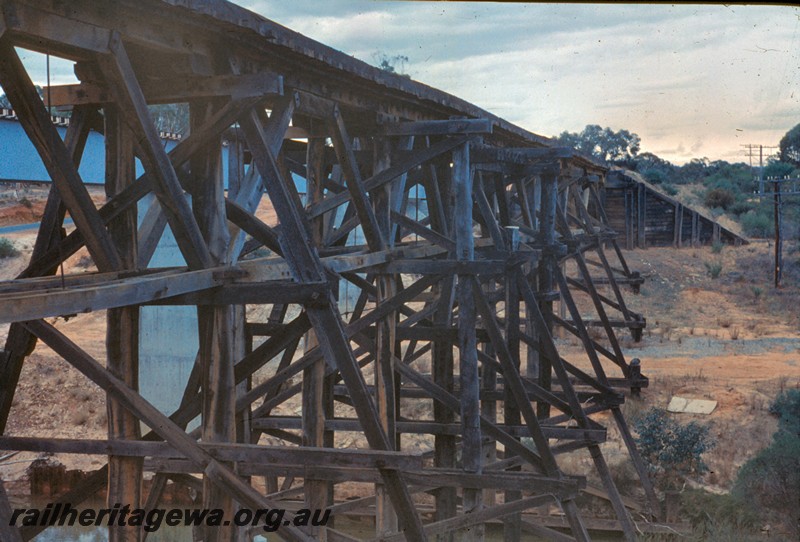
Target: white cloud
(684,77)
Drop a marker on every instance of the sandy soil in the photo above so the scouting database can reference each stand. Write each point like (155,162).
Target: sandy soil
(734,339)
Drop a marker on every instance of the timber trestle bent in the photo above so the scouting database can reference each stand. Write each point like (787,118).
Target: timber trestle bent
(441,387)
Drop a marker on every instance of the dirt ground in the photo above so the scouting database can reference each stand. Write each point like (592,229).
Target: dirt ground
(733,338)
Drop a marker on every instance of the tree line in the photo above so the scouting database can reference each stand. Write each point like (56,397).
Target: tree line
(723,186)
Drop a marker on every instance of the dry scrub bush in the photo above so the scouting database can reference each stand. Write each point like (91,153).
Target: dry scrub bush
(7,248)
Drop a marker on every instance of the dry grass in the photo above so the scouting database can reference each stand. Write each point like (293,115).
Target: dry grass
(79,417)
(724,322)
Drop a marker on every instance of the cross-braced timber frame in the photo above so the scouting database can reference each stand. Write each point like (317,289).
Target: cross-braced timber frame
(469,286)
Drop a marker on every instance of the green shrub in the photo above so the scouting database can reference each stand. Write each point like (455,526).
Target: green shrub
(7,248)
(716,247)
(787,408)
(719,198)
(670,189)
(655,176)
(740,207)
(708,512)
(771,480)
(669,448)
(757,224)
(713,269)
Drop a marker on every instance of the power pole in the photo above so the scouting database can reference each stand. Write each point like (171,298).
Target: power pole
(788,186)
(777,198)
(750,152)
(776,187)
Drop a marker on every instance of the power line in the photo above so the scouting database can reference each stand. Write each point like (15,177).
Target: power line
(756,150)
(786,186)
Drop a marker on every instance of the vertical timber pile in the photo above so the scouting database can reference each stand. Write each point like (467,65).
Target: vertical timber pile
(546,284)
(122,329)
(316,387)
(220,344)
(471,437)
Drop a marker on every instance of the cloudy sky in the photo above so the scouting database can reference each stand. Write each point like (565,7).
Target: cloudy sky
(692,80)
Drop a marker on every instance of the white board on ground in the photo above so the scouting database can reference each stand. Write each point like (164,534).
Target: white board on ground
(691,406)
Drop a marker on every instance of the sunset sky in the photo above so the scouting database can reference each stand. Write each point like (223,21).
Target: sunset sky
(692,80)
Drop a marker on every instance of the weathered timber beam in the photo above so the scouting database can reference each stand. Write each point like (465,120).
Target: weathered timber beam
(434,333)
(306,267)
(461,177)
(354,262)
(385,384)
(567,487)
(150,232)
(259,293)
(221,475)
(438,127)
(77,94)
(45,138)
(250,191)
(354,328)
(426,233)
(46,32)
(433,428)
(130,195)
(479,516)
(487,212)
(564,488)
(601,312)
(513,379)
(311,471)
(535,391)
(450,401)
(267,350)
(342,144)
(573,326)
(446,267)
(389,174)
(512,326)
(549,349)
(519,156)
(128,94)
(250,224)
(96,292)
(516,386)
(174,89)
(189,409)
(119,293)
(247,453)
(199,30)
(122,325)
(580,414)
(191,403)
(19,342)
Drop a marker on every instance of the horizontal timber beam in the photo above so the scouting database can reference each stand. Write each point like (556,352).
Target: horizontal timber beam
(439,127)
(173,90)
(432,428)
(251,453)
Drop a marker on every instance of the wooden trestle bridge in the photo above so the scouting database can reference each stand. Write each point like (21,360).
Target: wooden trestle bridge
(456,308)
